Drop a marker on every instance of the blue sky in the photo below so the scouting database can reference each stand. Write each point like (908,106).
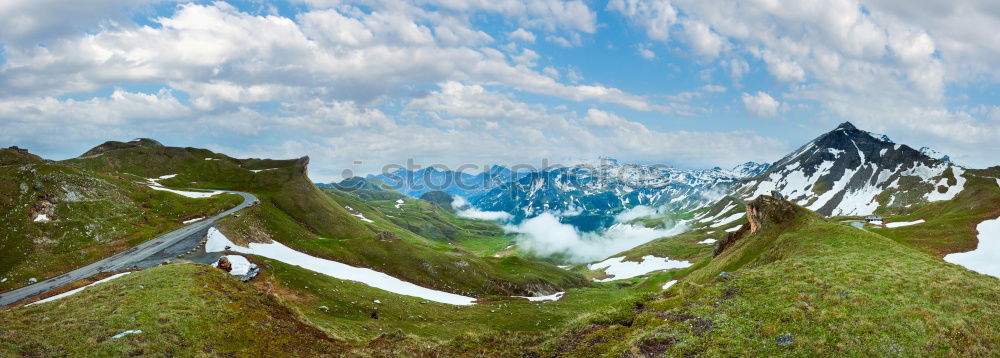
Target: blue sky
(683,82)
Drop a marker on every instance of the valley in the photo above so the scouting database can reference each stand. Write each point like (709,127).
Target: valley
(609,259)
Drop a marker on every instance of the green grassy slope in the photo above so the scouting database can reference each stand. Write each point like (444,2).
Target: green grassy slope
(182,310)
(344,309)
(835,289)
(93,215)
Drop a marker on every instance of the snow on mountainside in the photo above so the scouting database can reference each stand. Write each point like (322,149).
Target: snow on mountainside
(597,192)
(852,172)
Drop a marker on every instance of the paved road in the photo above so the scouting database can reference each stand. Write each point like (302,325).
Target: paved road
(142,255)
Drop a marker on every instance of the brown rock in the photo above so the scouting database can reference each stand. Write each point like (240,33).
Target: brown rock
(224,264)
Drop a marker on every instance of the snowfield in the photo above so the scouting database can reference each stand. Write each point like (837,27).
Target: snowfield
(75,291)
(275,250)
(619,269)
(190,194)
(553,297)
(359,215)
(155,185)
(985,259)
(903,223)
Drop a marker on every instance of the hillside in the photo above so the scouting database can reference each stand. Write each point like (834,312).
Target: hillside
(179,310)
(332,224)
(791,283)
(58,216)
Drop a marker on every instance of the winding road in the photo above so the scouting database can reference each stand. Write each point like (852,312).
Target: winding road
(143,255)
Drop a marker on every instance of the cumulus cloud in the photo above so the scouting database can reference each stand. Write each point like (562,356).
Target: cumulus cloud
(223,57)
(522,35)
(760,104)
(464,209)
(834,51)
(545,235)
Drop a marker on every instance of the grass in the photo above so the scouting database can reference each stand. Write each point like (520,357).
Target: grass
(182,310)
(349,308)
(837,290)
(950,225)
(95,215)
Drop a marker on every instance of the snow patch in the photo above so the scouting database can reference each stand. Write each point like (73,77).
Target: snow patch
(553,297)
(903,223)
(707,241)
(668,284)
(75,291)
(260,170)
(192,220)
(359,215)
(42,218)
(733,229)
(728,219)
(399,203)
(190,194)
(275,250)
(240,265)
(128,332)
(985,259)
(953,190)
(619,269)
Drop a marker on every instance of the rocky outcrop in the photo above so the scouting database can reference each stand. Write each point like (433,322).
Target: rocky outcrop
(768,210)
(303,164)
(763,212)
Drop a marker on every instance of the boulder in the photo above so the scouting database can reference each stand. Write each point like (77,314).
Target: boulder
(224,264)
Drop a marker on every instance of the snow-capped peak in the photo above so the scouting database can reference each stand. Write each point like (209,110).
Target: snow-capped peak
(930,152)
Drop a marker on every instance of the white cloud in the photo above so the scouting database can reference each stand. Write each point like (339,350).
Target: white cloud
(702,39)
(464,209)
(656,17)
(225,57)
(645,51)
(760,104)
(522,35)
(545,235)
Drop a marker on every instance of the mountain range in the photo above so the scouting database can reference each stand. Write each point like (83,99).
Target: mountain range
(773,260)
